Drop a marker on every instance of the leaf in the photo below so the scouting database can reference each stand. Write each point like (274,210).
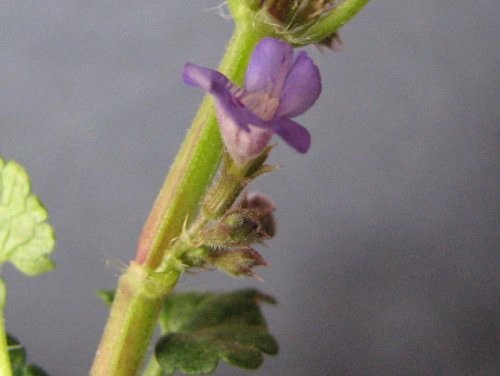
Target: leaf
(17,356)
(106,296)
(203,328)
(26,239)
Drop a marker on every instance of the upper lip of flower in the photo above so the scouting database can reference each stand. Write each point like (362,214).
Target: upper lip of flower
(272,74)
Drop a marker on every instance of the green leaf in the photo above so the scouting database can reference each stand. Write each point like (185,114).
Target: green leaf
(106,296)
(17,356)
(26,239)
(203,328)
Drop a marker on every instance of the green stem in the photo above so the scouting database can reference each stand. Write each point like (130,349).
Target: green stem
(329,24)
(132,319)
(5,367)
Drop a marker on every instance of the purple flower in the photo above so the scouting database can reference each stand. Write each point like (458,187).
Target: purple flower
(277,88)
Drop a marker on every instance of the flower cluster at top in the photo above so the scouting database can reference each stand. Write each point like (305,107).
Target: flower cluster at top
(292,13)
(278,87)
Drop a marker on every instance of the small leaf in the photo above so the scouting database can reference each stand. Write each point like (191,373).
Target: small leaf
(33,370)
(17,356)
(26,239)
(202,328)
(106,296)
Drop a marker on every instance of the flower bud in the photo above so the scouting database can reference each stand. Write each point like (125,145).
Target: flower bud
(298,22)
(296,13)
(249,222)
(263,208)
(238,262)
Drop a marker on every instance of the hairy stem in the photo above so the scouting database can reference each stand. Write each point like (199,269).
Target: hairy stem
(132,320)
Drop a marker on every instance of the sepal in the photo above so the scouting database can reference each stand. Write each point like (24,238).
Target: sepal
(237,262)
(237,228)
(232,180)
(250,221)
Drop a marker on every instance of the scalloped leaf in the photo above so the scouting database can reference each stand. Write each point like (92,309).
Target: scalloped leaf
(26,239)
(203,328)
(17,356)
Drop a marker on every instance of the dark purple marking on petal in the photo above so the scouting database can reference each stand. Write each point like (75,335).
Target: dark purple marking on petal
(302,87)
(293,133)
(268,67)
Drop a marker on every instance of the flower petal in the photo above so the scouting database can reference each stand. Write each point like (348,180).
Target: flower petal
(293,133)
(302,87)
(209,80)
(268,67)
(242,145)
(226,93)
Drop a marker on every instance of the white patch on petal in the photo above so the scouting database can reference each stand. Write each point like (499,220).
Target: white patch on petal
(261,104)
(242,145)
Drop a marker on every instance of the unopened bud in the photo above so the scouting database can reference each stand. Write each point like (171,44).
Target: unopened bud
(238,228)
(292,13)
(249,222)
(299,22)
(238,262)
(263,208)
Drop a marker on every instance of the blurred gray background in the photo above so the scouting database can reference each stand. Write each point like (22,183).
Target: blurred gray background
(385,260)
